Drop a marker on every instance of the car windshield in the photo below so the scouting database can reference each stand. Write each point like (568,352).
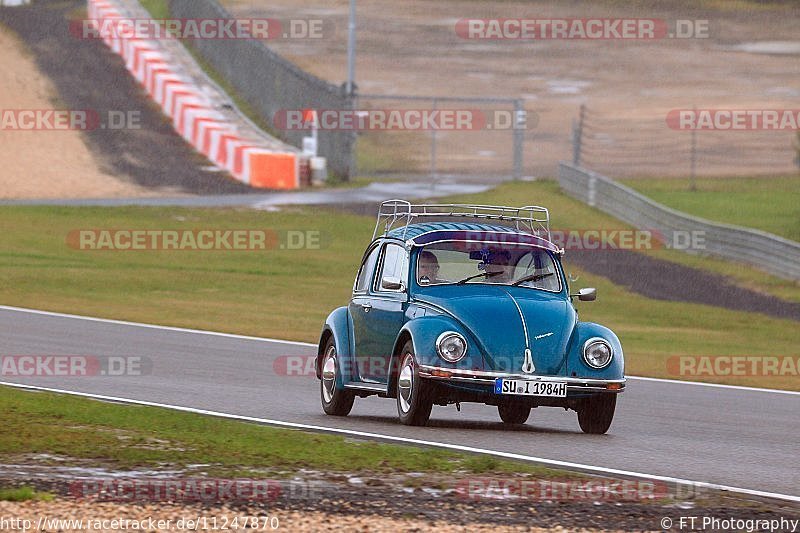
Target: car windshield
(462,262)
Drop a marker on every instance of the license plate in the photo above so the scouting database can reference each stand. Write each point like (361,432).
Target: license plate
(522,387)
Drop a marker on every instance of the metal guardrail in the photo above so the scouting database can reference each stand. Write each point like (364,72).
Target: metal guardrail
(768,252)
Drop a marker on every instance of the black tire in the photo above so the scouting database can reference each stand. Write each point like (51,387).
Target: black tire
(596,413)
(335,401)
(414,402)
(514,413)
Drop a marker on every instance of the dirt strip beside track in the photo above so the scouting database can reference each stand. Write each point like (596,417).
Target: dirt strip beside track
(375,505)
(663,280)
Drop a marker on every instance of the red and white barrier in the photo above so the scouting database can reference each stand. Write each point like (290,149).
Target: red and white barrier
(193,114)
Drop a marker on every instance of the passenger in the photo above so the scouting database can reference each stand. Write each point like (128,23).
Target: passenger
(428,268)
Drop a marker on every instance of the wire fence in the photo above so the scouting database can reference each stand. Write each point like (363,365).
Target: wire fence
(489,143)
(643,144)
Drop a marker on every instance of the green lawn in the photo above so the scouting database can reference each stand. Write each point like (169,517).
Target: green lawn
(769,203)
(283,293)
(127,437)
(287,293)
(23,494)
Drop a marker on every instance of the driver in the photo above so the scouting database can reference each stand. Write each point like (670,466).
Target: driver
(428,268)
(500,267)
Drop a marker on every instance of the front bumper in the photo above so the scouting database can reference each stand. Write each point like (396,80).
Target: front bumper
(480,377)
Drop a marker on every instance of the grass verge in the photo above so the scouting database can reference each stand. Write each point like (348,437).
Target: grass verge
(770,204)
(124,437)
(158,8)
(24,494)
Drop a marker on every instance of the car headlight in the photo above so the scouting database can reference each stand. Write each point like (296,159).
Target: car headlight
(451,346)
(597,352)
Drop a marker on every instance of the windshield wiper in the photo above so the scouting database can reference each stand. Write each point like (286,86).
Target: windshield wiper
(532,277)
(486,274)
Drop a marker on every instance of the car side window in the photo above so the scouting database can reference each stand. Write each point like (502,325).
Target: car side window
(367,267)
(395,265)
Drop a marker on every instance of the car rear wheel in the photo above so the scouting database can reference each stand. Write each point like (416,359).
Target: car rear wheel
(414,401)
(596,413)
(335,401)
(514,413)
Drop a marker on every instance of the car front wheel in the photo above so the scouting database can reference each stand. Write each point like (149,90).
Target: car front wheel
(336,402)
(513,413)
(414,401)
(596,413)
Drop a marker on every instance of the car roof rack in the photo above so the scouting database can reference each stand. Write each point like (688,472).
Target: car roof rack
(394,214)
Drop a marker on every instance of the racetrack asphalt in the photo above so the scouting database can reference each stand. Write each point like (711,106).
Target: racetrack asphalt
(728,436)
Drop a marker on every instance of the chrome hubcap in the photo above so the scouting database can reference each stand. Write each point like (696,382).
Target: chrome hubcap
(329,375)
(405,383)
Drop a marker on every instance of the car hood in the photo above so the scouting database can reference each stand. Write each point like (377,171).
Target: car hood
(498,317)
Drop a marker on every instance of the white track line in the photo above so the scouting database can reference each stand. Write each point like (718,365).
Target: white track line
(718,385)
(152,326)
(419,442)
(297,343)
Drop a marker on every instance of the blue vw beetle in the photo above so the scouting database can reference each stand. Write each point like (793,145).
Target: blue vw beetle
(464,303)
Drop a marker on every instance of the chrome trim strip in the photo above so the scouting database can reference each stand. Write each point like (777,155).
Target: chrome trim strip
(438,308)
(575,388)
(364,387)
(482,376)
(527,366)
(383,298)
(482,240)
(522,318)
(490,383)
(374,244)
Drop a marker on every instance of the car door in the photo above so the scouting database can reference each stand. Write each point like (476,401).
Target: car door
(387,315)
(360,308)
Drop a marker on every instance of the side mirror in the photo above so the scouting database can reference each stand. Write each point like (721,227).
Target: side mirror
(586,295)
(391,283)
